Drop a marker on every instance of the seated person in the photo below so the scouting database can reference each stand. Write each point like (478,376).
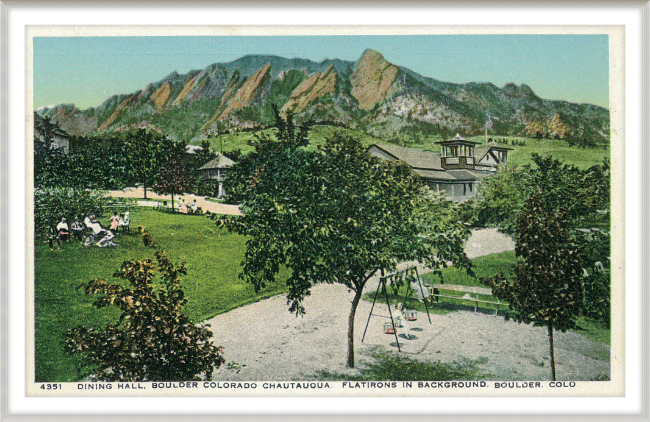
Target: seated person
(107,240)
(89,222)
(114,222)
(77,229)
(62,230)
(125,221)
(107,234)
(421,292)
(183,208)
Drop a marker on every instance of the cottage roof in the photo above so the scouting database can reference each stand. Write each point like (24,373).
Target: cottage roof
(39,121)
(417,159)
(193,149)
(218,163)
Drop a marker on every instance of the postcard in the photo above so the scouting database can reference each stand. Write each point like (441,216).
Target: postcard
(291,212)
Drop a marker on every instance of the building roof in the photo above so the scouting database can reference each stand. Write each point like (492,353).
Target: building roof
(452,175)
(481,151)
(457,140)
(193,149)
(39,122)
(464,175)
(218,163)
(415,158)
(435,175)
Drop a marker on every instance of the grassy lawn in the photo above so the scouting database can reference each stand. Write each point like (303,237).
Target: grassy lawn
(211,285)
(485,266)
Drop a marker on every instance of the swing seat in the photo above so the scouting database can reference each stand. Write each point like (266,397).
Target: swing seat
(410,315)
(389,328)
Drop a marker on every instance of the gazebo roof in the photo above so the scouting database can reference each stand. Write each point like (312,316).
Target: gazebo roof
(218,163)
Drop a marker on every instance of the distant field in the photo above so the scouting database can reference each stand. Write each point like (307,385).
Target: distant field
(211,285)
(580,157)
(520,155)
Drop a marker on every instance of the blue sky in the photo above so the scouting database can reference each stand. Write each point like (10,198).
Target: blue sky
(87,70)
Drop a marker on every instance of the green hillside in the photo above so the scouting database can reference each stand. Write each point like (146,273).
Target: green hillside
(519,155)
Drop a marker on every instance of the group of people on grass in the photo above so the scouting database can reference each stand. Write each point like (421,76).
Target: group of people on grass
(93,228)
(188,208)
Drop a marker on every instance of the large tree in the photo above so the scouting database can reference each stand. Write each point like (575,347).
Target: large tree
(583,194)
(546,285)
(174,178)
(147,152)
(335,215)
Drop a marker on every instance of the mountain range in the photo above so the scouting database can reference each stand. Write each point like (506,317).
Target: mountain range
(371,94)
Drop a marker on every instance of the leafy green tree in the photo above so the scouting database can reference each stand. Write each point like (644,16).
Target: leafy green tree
(174,178)
(584,195)
(581,193)
(336,215)
(546,285)
(146,152)
(153,340)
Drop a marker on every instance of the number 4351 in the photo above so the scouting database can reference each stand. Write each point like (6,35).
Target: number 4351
(51,387)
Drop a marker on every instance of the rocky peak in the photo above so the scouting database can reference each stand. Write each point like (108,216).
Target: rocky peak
(372,79)
(311,89)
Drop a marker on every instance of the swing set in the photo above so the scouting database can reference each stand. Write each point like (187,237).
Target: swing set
(396,280)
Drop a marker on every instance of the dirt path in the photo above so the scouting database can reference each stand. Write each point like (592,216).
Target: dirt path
(263,341)
(205,205)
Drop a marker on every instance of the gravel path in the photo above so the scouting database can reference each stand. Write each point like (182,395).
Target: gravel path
(263,341)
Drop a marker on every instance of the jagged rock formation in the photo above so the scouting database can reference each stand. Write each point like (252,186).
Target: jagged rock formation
(380,97)
(372,79)
(314,87)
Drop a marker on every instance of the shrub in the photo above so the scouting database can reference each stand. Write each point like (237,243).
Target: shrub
(153,340)
(50,204)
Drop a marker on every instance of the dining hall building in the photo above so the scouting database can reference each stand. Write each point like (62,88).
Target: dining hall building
(456,170)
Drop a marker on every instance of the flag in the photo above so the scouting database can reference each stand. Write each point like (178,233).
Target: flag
(489,123)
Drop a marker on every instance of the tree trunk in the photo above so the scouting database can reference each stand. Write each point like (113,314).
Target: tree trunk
(550,339)
(172,200)
(353,310)
(144,185)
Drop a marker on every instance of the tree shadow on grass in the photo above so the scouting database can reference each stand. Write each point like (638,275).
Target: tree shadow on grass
(386,366)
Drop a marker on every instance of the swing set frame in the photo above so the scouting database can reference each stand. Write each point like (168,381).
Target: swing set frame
(398,275)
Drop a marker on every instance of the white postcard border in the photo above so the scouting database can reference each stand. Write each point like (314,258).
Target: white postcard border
(633,239)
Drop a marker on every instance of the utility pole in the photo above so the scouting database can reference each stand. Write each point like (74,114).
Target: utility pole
(488,124)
